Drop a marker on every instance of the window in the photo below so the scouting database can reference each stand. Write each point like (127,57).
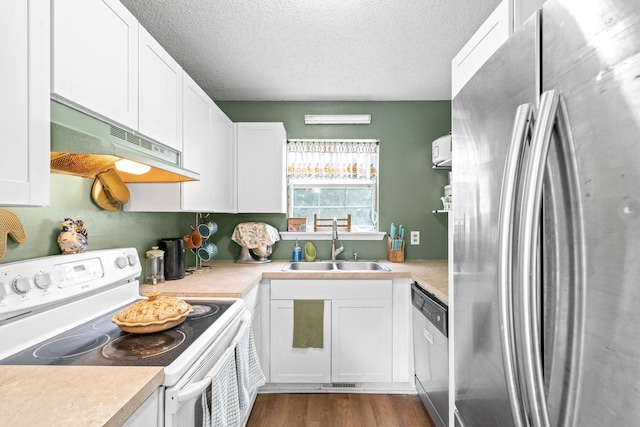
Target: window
(333,178)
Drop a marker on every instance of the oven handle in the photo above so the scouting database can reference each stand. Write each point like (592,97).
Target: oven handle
(196,389)
(192,391)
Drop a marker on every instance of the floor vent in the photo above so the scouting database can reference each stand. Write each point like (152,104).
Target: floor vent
(340,385)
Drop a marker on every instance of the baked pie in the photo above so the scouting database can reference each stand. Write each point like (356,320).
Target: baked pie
(158,313)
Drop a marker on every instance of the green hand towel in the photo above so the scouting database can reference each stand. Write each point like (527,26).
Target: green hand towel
(308,323)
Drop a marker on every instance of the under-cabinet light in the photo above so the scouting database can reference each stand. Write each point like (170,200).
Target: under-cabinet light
(129,166)
(337,119)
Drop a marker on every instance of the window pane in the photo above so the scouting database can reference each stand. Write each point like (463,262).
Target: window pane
(359,196)
(305,197)
(361,217)
(332,212)
(329,202)
(332,197)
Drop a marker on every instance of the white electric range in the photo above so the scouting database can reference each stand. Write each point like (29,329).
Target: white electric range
(57,310)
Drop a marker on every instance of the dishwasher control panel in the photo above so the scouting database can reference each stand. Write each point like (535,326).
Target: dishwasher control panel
(431,307)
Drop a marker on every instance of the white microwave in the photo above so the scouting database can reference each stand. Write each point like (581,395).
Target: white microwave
(441,151)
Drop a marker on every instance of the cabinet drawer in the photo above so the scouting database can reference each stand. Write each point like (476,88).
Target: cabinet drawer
(331,289)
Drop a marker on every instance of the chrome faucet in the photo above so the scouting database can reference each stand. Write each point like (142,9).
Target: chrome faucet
(334,236)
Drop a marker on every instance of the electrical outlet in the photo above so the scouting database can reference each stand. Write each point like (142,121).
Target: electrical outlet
(415,237)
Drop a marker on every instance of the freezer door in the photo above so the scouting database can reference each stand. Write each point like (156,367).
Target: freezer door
(483,113)
(591,56)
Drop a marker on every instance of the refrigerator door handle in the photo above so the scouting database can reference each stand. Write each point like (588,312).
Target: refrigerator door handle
(511,180)
(552,116)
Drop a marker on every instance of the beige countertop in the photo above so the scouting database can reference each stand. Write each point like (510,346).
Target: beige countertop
(73,395)
(106,396)
(228,279)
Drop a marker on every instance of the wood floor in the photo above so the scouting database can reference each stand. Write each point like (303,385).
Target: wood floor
(338,409)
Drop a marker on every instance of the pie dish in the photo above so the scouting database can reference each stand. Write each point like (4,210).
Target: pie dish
(156,314)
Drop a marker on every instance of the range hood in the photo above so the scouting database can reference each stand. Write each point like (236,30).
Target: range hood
(84,146)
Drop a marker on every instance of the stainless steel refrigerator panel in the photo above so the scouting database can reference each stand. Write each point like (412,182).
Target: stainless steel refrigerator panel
(591,55)
(482,117)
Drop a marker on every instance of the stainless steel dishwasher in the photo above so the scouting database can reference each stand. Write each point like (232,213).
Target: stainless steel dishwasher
(431,353)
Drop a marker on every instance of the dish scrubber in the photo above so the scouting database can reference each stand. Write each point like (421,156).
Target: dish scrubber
(309,252)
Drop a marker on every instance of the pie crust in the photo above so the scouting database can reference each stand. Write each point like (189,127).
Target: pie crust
(156,314)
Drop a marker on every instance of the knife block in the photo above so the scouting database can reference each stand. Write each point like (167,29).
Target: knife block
(395,255)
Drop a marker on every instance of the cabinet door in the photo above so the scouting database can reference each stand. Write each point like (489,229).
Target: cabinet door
(24,101)
(222,163)
(95,58)
(261,167)
(297,365)
(160,93)
(523,9)
(198,146)
(361,339)
(198,150)
(489,37)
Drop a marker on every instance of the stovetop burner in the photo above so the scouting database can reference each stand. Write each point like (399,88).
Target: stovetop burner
(200,310)
(135,346)
(70,346)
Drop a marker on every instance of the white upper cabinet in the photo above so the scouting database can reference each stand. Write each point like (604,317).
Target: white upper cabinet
(198,147)
(489,37)
(523,9)
(207,148)
(222,163)
(24,102)
(95,58)
(160,93)
(498,27)
(261,167)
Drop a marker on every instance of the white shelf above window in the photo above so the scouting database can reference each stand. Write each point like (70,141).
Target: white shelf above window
(326,235)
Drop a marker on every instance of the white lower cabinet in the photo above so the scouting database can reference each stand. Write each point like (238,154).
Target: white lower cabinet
(297,365)
(148,414)
(361,341)
(357,331)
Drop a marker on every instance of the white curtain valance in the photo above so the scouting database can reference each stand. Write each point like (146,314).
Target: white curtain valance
(332,161)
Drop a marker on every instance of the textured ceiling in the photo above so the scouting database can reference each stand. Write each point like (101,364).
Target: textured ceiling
(315,50)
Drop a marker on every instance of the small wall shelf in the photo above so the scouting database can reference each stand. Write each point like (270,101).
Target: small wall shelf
(437,211)
(326,235)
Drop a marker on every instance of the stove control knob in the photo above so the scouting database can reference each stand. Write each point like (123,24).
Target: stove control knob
(122,261)
(43,280)
(21,285)
(132,260)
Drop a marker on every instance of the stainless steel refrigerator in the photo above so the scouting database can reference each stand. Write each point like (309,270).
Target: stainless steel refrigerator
(546,178)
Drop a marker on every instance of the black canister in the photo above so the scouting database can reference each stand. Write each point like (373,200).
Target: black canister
(173,248)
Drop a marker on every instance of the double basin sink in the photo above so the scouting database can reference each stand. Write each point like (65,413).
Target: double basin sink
(335,266)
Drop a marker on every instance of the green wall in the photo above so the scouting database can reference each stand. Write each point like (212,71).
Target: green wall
(71,197)
(409,187)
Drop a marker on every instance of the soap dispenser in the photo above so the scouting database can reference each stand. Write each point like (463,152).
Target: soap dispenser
(297,252)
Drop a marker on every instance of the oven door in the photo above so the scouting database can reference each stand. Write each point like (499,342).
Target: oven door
(183,405)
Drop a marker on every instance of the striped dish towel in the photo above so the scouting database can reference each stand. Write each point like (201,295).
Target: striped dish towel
(220,405)
(250,373)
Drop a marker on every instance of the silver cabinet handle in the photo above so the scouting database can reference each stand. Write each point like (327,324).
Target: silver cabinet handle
(521,133)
